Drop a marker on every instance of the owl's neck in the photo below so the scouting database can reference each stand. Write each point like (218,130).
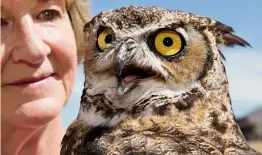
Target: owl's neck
(207,111)
(98,110)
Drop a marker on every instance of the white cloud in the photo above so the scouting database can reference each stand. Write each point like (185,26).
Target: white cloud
(244,70)
(79,81)
(70,111)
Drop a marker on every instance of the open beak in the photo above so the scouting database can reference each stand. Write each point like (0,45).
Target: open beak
(129,72)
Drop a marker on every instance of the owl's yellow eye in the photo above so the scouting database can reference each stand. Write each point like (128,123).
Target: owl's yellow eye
(105,38)
(168,43)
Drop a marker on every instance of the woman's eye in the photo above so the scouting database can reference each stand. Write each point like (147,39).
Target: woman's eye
(3,22)
(48,15)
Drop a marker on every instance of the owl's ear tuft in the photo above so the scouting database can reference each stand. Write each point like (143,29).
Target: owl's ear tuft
(86,26)
(222,27)
(231,40)
(225,36)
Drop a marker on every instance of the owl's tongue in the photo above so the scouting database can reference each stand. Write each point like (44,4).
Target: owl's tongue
(129,79)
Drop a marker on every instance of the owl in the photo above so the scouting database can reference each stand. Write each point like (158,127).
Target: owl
(155,84)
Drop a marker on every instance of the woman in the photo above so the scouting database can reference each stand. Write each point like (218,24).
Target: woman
(38,65)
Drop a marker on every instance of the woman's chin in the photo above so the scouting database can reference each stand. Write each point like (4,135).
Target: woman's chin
(37,113)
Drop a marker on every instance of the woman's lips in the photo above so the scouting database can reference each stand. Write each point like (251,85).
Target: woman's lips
(31,80)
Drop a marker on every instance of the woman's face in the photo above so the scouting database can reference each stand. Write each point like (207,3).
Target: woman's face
(38,60)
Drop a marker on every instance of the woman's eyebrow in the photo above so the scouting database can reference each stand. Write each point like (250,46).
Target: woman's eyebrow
(48,1)
(43,1)
(38,1)
(5,8)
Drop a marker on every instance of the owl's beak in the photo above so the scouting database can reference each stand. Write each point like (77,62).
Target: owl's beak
(120,63)
(129,72)
(130,69)
(123,59)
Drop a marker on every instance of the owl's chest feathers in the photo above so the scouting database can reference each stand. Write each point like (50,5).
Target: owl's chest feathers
(190,116)
(193,106)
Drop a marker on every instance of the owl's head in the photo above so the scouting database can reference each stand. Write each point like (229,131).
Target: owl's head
(136,52)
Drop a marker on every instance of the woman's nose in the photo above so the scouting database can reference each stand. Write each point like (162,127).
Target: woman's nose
(31,47)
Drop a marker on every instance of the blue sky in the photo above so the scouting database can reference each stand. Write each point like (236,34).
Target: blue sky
(243,65)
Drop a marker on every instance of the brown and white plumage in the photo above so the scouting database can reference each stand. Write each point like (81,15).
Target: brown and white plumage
(137,100)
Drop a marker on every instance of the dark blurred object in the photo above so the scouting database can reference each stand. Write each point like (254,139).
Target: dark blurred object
(251,125)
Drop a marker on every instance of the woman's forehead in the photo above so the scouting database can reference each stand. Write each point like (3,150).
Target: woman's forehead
(8,5)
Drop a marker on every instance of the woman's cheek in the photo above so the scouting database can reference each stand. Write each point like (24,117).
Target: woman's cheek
(4,56)
(64,51)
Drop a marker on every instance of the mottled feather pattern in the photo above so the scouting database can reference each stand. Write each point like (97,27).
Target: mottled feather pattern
(181,107)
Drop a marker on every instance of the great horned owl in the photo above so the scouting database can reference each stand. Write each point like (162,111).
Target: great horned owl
(155,84)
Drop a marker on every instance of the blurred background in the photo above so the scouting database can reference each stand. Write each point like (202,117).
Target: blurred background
(243,65)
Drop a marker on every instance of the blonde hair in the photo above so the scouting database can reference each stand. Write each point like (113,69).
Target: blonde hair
(78,11)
